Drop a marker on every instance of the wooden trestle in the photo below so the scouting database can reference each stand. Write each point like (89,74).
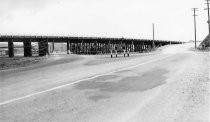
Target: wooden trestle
(82,45)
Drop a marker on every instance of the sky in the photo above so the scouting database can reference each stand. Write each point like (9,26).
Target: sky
(173,19)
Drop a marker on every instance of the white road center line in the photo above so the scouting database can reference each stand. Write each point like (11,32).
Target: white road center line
(85,79)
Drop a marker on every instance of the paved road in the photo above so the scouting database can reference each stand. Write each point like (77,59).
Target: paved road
(171,84)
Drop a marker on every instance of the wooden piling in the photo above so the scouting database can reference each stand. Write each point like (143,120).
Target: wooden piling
(11,48)
(43,47)
(27,48)
(68,48)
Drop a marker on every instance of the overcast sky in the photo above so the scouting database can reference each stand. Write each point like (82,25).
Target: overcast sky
(108,18)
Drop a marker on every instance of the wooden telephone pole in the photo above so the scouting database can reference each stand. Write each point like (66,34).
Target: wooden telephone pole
(194,10)
(153,35)
(207,2)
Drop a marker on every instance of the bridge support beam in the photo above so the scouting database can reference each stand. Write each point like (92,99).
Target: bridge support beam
(95,48)
(43,47)
(70,45)
(53,46)
(77,48)
(27,48)
(68,48)
(11,48)
(132,47)
(139,47)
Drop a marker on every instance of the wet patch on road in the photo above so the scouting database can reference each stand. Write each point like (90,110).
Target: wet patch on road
(98,97)
(181,58)
(106,78)
(136,83)
(93,62)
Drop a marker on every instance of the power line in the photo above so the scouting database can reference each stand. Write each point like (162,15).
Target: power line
(194,10)
(207,2)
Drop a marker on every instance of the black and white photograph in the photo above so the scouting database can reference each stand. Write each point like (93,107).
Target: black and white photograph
(104,60)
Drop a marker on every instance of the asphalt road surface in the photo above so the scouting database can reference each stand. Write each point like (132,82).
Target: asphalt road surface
(168,85)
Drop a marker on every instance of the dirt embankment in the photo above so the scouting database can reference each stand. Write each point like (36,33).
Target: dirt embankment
(16,62)
(36,62)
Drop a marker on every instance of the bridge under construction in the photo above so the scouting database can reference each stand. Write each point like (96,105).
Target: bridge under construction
(82,45)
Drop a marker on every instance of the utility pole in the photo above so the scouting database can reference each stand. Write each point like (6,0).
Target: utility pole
(153,42)
(208,13)
(194,10)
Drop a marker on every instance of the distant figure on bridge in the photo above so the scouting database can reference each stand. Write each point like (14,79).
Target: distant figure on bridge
(128,53)
(116,51)
(111,53)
